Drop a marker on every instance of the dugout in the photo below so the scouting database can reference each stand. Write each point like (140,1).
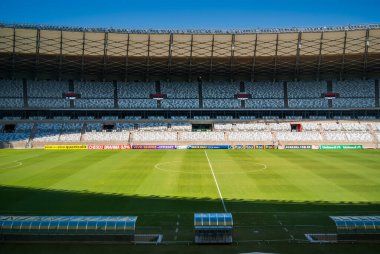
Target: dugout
(67,228)
(357,228)
(214,228)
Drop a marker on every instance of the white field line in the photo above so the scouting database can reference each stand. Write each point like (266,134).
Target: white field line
(216,182)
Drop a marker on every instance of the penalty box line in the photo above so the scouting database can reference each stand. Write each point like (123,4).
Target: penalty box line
(216,183)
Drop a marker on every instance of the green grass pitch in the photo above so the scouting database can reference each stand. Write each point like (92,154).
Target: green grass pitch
(276,196)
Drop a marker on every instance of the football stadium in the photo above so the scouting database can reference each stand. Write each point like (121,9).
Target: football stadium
(189,141)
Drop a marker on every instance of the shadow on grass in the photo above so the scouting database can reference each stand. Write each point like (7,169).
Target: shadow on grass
(161,213)
(17,200)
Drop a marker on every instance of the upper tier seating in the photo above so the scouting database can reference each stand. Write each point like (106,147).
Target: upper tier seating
(136,90)
(48,103)
(306,89)
(180,90)
(221,103)
(354,103)
(10,88)
(137,103)
(354,88)
(219,89)
(11,103)
(94,89)
(94,103)
(308,103)
(47,88)
(265,90)
(267,103)
(180,103)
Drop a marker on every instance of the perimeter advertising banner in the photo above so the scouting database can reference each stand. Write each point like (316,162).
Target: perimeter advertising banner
(108,147)
(340,147)
(154,147)
(65,147)
(298,146)
(209,147)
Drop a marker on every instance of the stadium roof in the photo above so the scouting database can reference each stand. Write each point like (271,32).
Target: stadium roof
(213,220)
(114,54)
(115,225)
(357,224)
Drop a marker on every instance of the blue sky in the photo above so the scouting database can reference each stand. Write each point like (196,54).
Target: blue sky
(196,14)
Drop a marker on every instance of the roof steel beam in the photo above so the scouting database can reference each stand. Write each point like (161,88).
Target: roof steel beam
(212,56)
(299,46)
(105,48)
(126,61)
(148,60)
(232,55)
(320,57)
(82,63)
(60,57)
(170,54)
(37,60)
(191,56)
(14,53)
(254,61)
(343,56)
(275,60)
(365,59)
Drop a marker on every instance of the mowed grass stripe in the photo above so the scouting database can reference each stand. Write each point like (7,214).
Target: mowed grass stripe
(323,176)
